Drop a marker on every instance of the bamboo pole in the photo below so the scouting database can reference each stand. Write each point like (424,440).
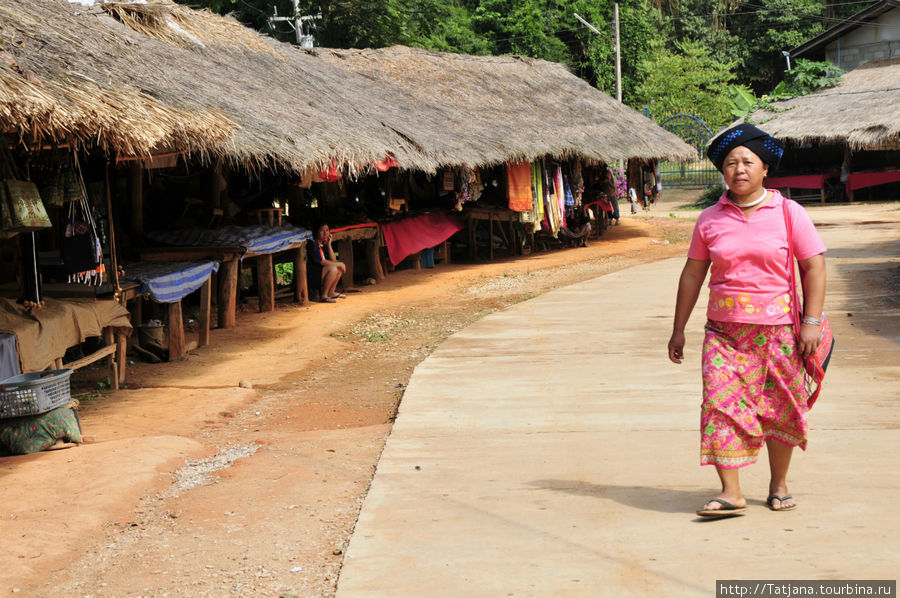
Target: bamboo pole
(113,258)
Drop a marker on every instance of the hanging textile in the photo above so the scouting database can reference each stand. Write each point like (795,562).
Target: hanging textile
(560,197)
(537,194)
(448,181)
(80,247)
(546,195)
(518,186)
(569,197)
(386,164)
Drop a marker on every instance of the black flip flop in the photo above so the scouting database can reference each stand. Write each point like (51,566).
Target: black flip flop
(727,509)
(773,497)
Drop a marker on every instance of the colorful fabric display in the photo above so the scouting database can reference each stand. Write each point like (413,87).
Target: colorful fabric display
(518,186)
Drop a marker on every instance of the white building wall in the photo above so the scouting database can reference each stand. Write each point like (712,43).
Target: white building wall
(877,40)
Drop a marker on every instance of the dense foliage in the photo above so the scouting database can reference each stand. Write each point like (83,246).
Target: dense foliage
(677,55)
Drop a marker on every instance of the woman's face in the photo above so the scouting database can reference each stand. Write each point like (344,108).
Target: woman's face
(322,233)
(744,171)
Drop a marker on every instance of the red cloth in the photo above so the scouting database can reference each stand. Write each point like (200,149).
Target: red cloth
(861,180)
(411,235)
(330,172)
(363,225)
(800,181)
(518,186)
(386,164)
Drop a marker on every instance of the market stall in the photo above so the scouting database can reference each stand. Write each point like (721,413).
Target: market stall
(367,233)
(230,246)
(43,336)
(168,283)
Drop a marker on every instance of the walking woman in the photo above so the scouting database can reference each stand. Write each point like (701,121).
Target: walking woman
(753,377)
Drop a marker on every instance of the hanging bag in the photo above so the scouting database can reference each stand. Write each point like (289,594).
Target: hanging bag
(816,364)
(23,210)
(80,245)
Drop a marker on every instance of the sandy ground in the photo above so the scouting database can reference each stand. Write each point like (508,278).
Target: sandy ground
(240,470)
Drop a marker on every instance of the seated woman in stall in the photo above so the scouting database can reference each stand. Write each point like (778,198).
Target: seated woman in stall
(324,266)
(577,228)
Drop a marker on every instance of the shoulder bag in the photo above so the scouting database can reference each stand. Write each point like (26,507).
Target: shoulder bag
(816,364)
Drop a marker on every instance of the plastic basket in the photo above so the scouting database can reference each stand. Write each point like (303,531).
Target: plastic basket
(34,393)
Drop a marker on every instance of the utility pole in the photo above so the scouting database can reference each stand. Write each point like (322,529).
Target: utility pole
(617,46)
(296,21)
(618,57)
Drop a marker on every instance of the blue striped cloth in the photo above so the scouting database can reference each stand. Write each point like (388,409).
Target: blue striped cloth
(169,282)
(256,239)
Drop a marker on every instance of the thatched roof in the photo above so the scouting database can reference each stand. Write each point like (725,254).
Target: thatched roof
(164,76)
(65,77)
(464,109)
(140,78)
(862,111)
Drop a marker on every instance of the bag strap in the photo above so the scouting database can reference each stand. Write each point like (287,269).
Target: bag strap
(795,297)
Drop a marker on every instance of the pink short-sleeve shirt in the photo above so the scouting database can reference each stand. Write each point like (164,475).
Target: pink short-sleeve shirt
(749,276)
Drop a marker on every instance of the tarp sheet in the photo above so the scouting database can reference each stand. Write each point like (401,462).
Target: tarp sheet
(411,235)
(169,282)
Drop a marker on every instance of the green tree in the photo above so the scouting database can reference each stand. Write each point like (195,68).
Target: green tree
(777,25)
(687,80)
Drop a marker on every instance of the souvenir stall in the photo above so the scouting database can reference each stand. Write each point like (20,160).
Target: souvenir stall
(530,202)
(413,217)
(49,331)
(206,197)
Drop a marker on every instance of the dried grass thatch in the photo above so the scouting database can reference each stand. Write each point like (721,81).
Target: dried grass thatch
(862,111)
(142,78)
(463,109)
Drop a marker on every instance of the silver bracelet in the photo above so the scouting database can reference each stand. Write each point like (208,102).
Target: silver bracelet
(812,321)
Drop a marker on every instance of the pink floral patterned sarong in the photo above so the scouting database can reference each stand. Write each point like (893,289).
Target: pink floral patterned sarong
(753,389)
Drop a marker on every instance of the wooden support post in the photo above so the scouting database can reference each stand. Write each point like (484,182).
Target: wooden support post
(373,256)
(176,332)
(301,293)
(137,312)
(205,299)
(345,254)
(417,260)
(491,236)
(266,282)
(136,197)
(823,192)
(473,247)
(121,347)
(109,340)
(217,184)
(227,301)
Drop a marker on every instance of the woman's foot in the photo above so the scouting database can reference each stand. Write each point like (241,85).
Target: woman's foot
(723,505)
(779,499)
(339,296)
(327,300)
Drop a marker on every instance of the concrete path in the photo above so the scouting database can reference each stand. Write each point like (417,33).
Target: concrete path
(552,450)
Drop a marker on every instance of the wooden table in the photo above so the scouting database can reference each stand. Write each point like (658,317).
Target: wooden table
(229,259)
(265,274)
(114,344)
(492,216)
(371,235)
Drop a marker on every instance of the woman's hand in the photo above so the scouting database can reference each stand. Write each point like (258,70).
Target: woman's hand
(809,339)
(676,347)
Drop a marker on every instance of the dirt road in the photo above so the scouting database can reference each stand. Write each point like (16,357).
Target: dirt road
(197,486)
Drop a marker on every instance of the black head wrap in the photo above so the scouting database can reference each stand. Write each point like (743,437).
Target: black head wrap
(756,140)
